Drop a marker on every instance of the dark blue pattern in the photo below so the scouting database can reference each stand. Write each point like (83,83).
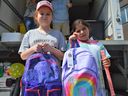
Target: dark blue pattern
(41,70)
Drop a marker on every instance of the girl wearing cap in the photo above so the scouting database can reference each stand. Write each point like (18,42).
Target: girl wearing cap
(81,34)
(43,39)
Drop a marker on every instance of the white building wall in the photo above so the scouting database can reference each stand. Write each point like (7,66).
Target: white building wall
(109,11)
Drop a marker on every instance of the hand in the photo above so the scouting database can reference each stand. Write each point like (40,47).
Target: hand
(46,47)
(73,36)
(106,62)
(37,47)
(69,5)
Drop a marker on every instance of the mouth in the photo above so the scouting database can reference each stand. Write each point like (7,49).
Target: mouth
(83,35)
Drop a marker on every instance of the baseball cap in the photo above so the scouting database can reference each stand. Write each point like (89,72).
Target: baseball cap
(44,3)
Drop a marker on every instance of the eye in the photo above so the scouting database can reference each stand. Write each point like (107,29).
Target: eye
(46,14)
(42,14)
(78,31)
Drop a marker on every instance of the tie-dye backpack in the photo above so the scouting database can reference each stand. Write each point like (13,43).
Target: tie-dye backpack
(41,76)
(79,73)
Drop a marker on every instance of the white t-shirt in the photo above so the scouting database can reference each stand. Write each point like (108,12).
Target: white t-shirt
(34,36)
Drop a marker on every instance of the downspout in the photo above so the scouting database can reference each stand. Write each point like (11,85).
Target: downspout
(116,24)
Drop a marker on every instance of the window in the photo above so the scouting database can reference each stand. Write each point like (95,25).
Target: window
(123,17)
(127,13)
(124,14)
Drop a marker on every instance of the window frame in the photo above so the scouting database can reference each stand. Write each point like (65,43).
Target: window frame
(125,9)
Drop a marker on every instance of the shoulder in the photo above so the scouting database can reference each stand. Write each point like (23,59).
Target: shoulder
(93,41)
(32,31)
(96,42)
(57,32)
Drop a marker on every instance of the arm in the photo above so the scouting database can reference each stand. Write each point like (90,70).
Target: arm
(69,4)
(71,38)
(45,47)
(106,67)
(57,53)
(26,49)
(105,56)
(25,54)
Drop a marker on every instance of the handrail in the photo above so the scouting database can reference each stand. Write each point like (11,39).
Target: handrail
(6,26)
(13,9)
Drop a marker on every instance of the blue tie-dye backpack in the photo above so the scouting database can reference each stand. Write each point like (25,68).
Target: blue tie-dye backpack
(41,76)
(80,73)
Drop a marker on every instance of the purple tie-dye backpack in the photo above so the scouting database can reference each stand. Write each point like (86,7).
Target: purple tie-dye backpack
(79,73)
(41,76)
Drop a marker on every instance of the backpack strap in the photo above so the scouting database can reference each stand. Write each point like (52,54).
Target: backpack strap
(74,44)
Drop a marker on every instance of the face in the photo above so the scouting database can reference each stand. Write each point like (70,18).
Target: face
(44,17)
(82,32)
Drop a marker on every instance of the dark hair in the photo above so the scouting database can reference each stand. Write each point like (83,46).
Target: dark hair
(77,22)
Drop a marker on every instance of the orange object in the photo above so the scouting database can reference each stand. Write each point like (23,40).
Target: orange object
(108,75)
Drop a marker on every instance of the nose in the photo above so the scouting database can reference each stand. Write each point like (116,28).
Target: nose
(81,31)
(44,16)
